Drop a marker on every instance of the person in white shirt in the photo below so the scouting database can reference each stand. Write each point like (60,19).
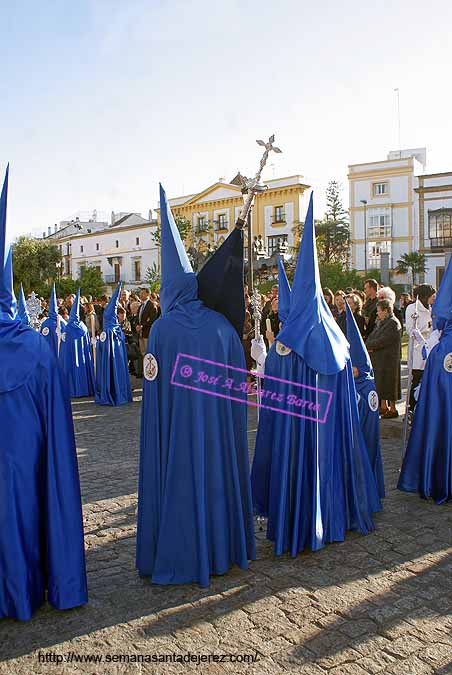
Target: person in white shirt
(426,295)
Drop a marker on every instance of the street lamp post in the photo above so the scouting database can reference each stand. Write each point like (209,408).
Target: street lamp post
(364,202)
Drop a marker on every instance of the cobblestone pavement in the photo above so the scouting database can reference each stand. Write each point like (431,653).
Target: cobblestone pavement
(375,604)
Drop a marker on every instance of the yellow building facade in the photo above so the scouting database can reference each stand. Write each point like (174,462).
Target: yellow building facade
(213,211)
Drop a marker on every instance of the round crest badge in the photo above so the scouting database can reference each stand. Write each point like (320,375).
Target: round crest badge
(63,337)
(447,363)
(281,349)
(150,367)
(45,331)
(103,336)
(372,400)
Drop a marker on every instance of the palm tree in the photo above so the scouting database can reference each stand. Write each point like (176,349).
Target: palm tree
(416,262)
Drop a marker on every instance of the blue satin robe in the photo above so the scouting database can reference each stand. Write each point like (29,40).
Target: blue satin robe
(312,481)
(427,465)
(41,527)
(49,332)
(112,370)
(195,515)
(76,360)
(370,425)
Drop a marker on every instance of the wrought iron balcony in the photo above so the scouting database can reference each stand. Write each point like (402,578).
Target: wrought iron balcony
(437,243)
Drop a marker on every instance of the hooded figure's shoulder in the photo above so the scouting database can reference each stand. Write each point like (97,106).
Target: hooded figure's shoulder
(24,353)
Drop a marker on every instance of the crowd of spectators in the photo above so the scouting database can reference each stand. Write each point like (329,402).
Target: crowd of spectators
(379,316)
(136,312)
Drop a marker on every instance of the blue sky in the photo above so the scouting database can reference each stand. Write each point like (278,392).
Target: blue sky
(103,99)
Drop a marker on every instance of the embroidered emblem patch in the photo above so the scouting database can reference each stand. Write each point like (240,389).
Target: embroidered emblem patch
(281,349)
(372,400)
(150,367)
(447,363)
(63,337)
(45,331)
(103,336)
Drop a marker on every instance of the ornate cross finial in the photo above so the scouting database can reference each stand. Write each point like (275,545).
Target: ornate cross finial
(252,185)
(34,310)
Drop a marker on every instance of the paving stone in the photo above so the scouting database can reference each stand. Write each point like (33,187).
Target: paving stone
(412,666)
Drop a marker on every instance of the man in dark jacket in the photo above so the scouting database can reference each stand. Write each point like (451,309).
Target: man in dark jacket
(146,317)
(370,306)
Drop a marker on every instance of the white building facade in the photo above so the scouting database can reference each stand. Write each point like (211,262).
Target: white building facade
(122,251)
(434,215)
(382,209)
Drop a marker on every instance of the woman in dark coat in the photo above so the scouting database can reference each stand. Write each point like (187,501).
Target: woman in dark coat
(383,345)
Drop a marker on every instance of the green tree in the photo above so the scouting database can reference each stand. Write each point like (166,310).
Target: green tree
(34,263)
(152,278)
(183,225)
(416,262)
(91,282)
(333,232)
(334,276)
(64,287)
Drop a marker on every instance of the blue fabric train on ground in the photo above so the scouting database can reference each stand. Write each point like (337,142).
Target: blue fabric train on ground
(53,324)
(41,529)
(312,480)
(112,370)
(22,309)
(76,358)
(194,503)
(368,408)
(427,465)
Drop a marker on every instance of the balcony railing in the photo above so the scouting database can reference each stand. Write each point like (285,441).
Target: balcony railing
(440,242)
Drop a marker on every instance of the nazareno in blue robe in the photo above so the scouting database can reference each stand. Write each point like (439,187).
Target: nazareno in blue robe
(312,477)
(41,527)
(22,309)
(368,405)
(112,369)
(195,515)
(427,465)
(75,358)
(49,327)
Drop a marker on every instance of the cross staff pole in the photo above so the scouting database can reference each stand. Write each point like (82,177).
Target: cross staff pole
(252,186)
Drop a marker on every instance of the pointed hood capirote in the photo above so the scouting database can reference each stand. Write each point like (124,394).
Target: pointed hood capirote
(442,307)
(23,310)
(284,292)
(8,307)
(310,329)
(53,305)
(178,281)
(74,316)
(110,318)
(220,281)
(358,352)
